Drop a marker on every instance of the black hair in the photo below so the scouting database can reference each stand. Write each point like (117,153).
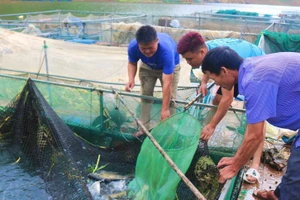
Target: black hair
(146,34)
(221,57)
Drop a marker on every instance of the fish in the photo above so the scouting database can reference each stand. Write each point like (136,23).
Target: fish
(106,175)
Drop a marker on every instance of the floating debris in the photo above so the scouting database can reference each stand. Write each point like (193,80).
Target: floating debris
(117,195)
(95,188)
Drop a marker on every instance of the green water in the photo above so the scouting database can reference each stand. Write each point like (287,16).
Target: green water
(137,8)
(19,7)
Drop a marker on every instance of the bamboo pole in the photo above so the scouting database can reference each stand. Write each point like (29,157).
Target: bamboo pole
(163,153)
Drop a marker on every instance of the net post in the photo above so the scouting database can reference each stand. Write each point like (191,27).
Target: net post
(101,101)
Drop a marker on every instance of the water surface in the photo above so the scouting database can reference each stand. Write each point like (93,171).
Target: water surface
(139,8)
(16,182)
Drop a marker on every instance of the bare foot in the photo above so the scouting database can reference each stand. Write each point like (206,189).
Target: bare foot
(138,133)
(252,179)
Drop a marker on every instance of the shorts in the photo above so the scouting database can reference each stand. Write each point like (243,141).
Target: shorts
(236,90)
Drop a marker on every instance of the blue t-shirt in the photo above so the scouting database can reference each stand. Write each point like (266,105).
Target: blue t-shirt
(271,86)
(243,48)
(165,58)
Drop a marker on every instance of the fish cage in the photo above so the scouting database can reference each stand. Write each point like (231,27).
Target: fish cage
(69,25)
(68,119)
(58,126)
(117,29)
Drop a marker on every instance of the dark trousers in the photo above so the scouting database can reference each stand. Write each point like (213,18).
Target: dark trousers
(289,188)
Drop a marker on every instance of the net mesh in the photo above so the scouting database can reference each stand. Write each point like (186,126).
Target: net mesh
(45,143)
(93,115)
(82,110)
(273,42)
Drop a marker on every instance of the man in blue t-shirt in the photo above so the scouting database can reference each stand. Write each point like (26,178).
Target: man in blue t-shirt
(271,86)
(159,60)
(193,48)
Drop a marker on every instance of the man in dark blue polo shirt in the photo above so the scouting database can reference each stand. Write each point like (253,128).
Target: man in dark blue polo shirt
(159,60)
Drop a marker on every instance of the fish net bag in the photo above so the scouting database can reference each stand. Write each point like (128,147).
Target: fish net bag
(154,177)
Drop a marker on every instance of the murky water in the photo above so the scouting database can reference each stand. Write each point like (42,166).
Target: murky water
(16,183)
(102,190)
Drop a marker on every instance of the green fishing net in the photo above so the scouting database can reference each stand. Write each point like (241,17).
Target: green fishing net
(279,42)
(154,177)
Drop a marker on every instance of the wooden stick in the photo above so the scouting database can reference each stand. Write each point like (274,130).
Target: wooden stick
(164,154)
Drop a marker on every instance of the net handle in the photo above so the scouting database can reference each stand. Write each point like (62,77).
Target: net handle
(197,97)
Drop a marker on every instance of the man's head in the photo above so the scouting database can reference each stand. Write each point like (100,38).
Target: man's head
(192,47)
(222,65)
(147,40)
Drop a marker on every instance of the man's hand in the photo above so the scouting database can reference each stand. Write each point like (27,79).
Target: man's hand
(203,89)
(132,68)
(207,132)
(129,86)
(227,168)
(164,114)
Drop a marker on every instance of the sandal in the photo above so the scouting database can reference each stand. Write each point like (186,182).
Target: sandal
(265,194)
(251,172)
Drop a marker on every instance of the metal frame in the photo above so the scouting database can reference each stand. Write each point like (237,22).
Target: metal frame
(121,93)
(86,80)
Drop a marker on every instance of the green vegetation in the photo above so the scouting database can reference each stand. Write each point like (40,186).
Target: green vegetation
(95,168)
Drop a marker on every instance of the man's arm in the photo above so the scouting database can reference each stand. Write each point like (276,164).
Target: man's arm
(167,90)
(132,68)
(224,104)
(203,85)
(229,167)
